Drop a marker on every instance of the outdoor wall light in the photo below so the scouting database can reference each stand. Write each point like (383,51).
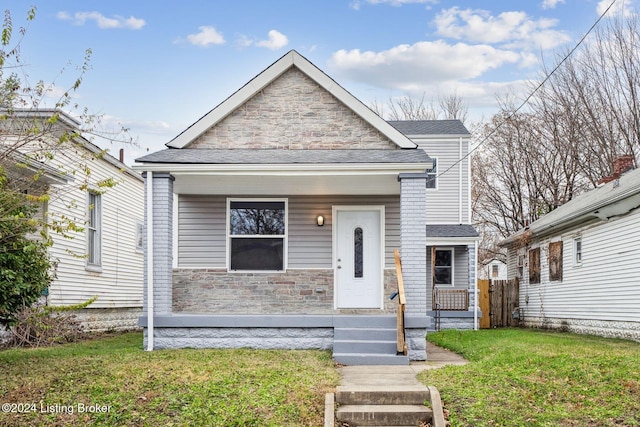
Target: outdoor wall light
(320,220)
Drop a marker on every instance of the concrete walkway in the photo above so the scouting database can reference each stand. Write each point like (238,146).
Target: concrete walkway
(397,379)
(392,376)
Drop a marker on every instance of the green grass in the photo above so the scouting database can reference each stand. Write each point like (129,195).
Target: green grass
(520,377)
(166,387)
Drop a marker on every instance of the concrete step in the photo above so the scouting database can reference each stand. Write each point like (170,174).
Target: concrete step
(370,359)
(364,346)
(378,334)
(405,395)
(383,415)
(359,321)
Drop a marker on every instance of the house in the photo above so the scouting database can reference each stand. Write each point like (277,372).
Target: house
(272,222)
(493,269)
(578,265)
(104,257)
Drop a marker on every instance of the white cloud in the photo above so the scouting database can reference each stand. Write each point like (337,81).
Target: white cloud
(275,41)
(207,36)
(103,22)
(551,4)
(411,67)
(510,29)
(621,7)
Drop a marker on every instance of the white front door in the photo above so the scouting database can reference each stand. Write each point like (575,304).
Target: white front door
(358,257)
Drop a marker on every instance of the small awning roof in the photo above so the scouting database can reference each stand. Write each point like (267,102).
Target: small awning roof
(273,156)
(451,234)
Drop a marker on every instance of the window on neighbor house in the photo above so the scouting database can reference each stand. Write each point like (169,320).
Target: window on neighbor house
(139,233)
(555,261)
(495,270)
(94,230)
(257,233)
(534,265)
(520,266)
(443,267)
(432,175)
(577,251)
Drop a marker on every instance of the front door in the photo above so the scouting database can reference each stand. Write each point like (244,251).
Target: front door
(358,257)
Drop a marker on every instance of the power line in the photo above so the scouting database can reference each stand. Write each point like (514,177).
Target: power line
(513,113)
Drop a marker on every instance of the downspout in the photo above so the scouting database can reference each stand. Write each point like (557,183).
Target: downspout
(460,181)
(475,299)
(149,261)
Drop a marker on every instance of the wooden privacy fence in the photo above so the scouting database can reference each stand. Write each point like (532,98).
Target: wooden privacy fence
(503,302)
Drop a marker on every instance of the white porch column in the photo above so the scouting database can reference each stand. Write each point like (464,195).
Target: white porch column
(158,271)
(413,251)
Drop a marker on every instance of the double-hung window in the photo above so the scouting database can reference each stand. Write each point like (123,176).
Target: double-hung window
(94,230)
(577,251)
(432,175)
(443,266)
(257,235)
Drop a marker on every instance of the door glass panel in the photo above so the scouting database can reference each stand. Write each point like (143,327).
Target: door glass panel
(358,261)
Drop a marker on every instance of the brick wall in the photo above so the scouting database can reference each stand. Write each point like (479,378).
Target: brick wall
(278,118)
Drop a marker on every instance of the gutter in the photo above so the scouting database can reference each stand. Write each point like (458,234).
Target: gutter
(149,261)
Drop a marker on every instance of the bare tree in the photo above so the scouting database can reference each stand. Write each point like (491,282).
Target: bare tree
(586,114)
(449,107)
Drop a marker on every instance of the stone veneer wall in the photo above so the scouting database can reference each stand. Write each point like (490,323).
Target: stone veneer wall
(278,117)
(604,328)
(109,319)
(294,291)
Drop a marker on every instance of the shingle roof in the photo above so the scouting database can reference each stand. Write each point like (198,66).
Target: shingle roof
(611,199)
(272,156)
(430,127)
(451,230)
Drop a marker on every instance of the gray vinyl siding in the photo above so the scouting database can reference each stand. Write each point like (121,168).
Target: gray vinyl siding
(443,202)
(202,229)
(606,286)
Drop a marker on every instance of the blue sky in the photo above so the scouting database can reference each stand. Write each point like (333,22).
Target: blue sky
(157,66)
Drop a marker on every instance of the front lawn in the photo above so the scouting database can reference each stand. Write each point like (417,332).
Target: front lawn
(520,377)
(112,381)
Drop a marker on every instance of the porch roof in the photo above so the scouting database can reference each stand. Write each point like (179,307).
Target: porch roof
(273,156)
(451,234)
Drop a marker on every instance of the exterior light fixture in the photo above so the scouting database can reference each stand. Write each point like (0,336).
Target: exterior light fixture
(320,220)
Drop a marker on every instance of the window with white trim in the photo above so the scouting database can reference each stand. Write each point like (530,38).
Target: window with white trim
(257,235)
(94,230)
(432,175)
(443,266)
(577,251)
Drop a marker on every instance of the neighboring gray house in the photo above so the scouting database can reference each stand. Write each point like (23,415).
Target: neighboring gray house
(579,265)
(274,218)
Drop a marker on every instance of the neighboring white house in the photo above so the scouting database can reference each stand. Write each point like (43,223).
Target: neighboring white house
(579,265)
(105,259)
(494,269)
(274,218)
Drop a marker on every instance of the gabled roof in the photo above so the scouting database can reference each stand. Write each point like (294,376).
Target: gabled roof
(430,127)
(291,59)
(615,198)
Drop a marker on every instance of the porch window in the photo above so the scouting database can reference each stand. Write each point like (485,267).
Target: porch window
(432,175)
(257,232)
(443,267)
(94,230)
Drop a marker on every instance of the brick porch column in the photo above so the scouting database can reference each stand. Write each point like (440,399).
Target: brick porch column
(413,251)
(162,242)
